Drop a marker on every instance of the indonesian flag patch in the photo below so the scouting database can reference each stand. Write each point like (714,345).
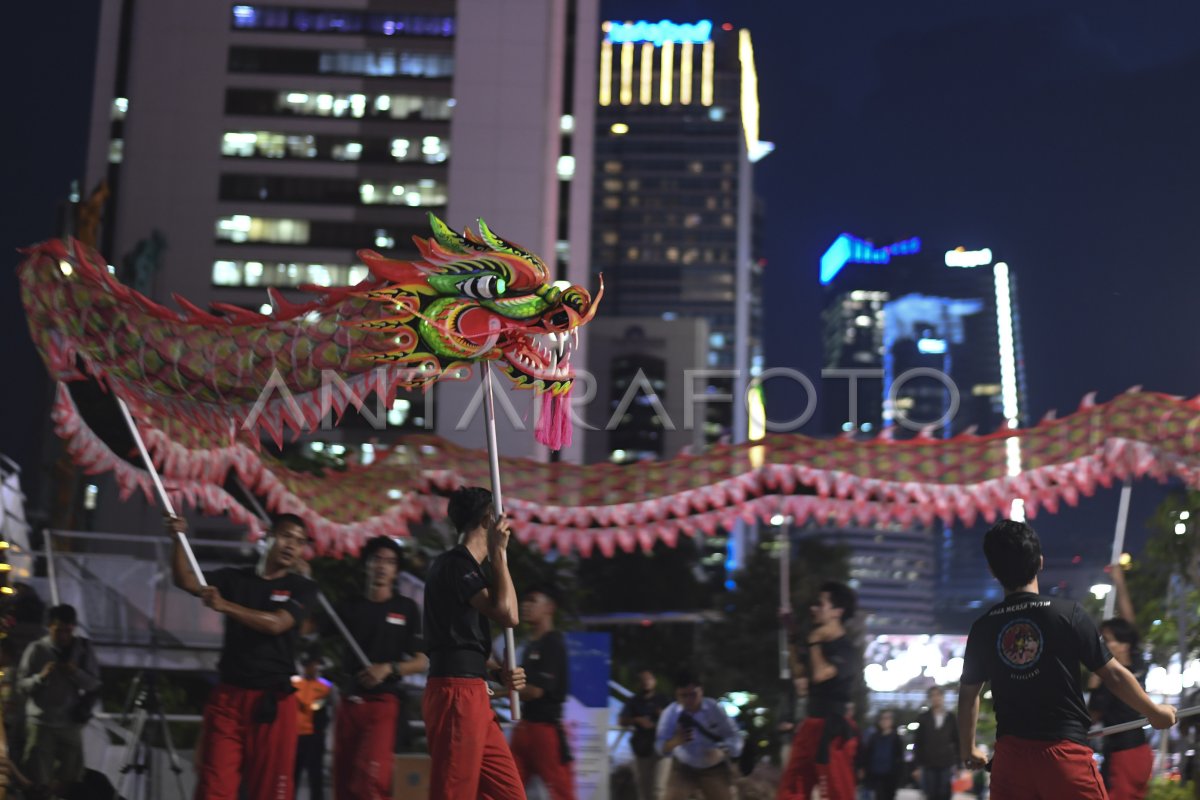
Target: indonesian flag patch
(396,619)
(280,595)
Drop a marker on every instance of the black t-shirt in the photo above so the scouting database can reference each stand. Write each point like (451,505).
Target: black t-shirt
(1113,711)
(254,660)
(829,698)
(1030,648)
(386,631)
(457,637)
(642,740)
(545,665)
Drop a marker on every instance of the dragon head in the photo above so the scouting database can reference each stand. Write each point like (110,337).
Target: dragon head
(478,297)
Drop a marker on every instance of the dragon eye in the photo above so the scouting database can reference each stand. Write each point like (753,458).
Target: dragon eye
(483,287)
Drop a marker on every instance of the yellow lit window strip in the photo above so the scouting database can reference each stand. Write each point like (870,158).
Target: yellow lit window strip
(626,74)
(668,73)
(706,74)
(685,73)
(606,73)
(646,73)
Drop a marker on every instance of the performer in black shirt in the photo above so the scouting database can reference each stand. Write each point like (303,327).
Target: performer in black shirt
(387,626)
(468,754)
(641,712)
(825,744)
(1029,648)
(539,744)
(1128,760)
(248,742)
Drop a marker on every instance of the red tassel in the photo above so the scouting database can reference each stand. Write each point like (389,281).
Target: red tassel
(554,422)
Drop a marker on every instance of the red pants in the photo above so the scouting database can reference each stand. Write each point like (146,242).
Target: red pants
(469,758)
(803,774)
(538,751)
(1027,769)
(363,742)
(238,752)
(1129,772)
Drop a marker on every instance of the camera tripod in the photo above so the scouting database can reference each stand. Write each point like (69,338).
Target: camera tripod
(144,705)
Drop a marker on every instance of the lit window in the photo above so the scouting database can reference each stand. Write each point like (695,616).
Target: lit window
(116,151)
(242,228)
(566,168)
(347,151)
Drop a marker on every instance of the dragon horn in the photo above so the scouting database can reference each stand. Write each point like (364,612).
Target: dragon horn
(595,303)
(496,243)
(447,237)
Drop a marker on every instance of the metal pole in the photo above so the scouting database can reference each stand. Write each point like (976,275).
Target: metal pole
(1110,602)
(51,572)
(785,596)
(167,505)
(341,626)
(1141,723)
(489,408)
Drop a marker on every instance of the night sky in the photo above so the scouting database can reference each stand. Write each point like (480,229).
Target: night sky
(1063,135)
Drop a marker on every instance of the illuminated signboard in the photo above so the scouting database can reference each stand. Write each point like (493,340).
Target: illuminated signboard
(847,249)
(931,347)
(962,257)
(659,32)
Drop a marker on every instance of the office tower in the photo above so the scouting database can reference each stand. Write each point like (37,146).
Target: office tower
(674,212)
(928,341)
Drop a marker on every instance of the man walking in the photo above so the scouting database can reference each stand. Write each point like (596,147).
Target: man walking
(935,747)
(641,712)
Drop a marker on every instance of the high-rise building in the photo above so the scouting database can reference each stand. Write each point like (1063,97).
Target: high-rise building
(265,143)
(674,211)
(920,342)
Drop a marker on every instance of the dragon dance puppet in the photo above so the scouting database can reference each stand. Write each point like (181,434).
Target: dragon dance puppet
(197,374)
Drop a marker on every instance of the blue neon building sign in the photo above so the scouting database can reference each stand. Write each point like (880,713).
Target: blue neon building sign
(847,249)
(659,32)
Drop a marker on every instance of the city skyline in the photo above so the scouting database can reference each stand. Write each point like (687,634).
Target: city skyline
(1073,164)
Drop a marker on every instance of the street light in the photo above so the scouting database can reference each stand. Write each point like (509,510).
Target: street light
(1101,590)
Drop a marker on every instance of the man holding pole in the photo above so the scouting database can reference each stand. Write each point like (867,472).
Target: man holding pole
(387,627)
(248,742)
(469,756)
(1029,648)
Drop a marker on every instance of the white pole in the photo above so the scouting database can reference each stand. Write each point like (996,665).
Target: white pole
(158,487)
(510,643)
(785,596)
(1110,602)
(51,572)
(1141,723)
(341,626)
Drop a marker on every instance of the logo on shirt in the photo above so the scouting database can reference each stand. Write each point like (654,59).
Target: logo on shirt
(280,596)
(1020,644)
(396,619)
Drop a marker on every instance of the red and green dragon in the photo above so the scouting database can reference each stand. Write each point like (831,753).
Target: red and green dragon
(193,373)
